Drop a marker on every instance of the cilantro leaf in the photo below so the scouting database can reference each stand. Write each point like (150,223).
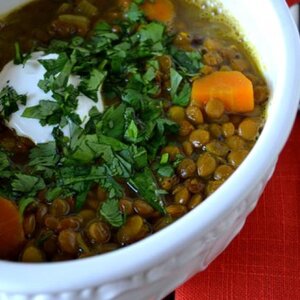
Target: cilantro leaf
(54,66)
(43,159)
(176,79)
(47,111)
(184,96)
(20,58)
(146,186)
(91,86)
(24,203)
(112,122)
(165,171)
(110,211)
(188,61)
(152,32)
(10,100)
(131,133)
(134,13)
(4,161)
(27,184)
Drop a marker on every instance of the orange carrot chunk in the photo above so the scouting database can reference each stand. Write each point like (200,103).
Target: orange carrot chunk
(233,88)
(159,10)
(11,229)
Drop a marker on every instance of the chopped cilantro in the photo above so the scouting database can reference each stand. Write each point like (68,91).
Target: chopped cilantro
(24,203)
(20,58)
(134,13)
(165,171)
(27,184)
(188,61)
(131,134)
(118,146)
(10,100)
(146,186)
(110,211)
(184,96)
(54,66)
(91,86)
(176,79)
(164,158)
(4,162)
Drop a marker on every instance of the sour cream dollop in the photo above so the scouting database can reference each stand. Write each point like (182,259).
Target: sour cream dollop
(24,79)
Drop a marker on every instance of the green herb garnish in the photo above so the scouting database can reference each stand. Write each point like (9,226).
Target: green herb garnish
(119,146)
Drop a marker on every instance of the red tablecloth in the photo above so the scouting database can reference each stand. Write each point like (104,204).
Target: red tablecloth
(263,262)
(292,2)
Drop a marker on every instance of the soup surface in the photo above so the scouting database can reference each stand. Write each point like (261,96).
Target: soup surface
(117,118)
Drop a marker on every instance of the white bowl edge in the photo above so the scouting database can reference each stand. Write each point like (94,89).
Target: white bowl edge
(18,278)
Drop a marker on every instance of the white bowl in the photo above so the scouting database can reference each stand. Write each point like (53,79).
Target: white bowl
(153,267)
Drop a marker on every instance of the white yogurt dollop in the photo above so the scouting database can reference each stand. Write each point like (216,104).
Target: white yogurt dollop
(24,79)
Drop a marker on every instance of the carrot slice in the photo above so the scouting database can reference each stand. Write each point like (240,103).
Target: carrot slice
(233,88)
(11,229)
(159,10)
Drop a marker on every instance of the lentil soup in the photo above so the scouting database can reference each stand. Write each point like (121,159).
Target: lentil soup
(143,109)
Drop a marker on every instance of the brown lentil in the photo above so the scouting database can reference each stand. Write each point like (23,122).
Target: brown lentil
(129,232)
(41,213)
(186,168)
(126,206)
(212,186)
(162,223)
(142,208)
(173,151)
(212,58)
(185,128)
(167,183)
(104,248)
(228,129)
(50,245)
(182,196)
(206,165)
(194,114)
(211,44)
(248,129)
(176,113)
(261,93)
(217,148)
(32,254)
(187,148)
(59,208)
(216,130)
(86,215)
(176,210)
(101,194)
(223,172)
(194,185)
(70,222)
(98,232)
(194,201)
(199,137)
(236,157)
(214,108)
(68,242)
(29,225)
(239,64)
(236,143)
(51,222)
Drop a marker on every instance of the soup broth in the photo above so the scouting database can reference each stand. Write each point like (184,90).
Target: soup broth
(183,105)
